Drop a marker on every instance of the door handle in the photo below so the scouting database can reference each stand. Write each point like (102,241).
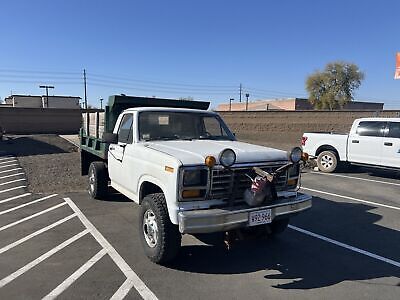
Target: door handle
(112,148)
(355,141)
(388,144)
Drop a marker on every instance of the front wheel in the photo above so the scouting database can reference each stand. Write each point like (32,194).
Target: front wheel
(160,238)
(327,161)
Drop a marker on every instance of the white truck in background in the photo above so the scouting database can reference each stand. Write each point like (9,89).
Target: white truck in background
(372,142)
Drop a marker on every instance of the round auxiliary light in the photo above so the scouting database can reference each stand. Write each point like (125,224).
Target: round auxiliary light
(227,157)
(296,154)
(210,161)
(305,157)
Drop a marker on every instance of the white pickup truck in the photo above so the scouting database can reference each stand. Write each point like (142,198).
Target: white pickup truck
(188,173)
(372,142)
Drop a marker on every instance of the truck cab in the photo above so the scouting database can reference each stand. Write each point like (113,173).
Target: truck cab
(190,175)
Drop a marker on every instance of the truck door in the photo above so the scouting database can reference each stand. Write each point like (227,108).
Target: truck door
(365,143)
(391,146)
(116,151)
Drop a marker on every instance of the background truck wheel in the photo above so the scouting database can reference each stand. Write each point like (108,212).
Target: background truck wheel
(278,226)
(98,180)
(160,238)
(327,161)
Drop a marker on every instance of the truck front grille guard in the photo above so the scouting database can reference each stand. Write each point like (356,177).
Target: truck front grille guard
(230,184)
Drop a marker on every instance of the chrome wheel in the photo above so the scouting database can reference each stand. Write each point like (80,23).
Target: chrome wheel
(92,180)
(327,161)
(150,228)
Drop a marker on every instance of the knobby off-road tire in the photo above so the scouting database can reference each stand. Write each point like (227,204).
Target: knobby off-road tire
(98,180)
(160,238)
(327,161)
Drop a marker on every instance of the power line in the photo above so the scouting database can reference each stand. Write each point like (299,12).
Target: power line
(38,72)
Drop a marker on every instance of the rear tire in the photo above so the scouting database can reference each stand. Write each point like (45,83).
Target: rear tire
(160,238)
(98,180)
(327,161)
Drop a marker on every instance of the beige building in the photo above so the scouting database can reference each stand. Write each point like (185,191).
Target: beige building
(30,101)
(292,104)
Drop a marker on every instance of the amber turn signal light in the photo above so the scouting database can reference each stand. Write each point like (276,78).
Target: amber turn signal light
(210,161)
(191,194)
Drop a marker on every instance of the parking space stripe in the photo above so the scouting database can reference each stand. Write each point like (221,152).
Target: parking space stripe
(74,276)
(26,204)
(13,188)
(343,245)
(41,258)
(12,175)
(356,178)
(32,216)
(6,171)
(12,181)
(351,198)
(123,289)
(6,166)
(15,197)
(8,161)
(134,280)
(40,231)
(6,157)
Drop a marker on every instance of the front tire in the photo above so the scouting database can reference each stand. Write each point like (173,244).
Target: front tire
(327,161)
(98,180)
(160,238)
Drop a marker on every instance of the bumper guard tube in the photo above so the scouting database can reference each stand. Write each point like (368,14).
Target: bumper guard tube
(218,219)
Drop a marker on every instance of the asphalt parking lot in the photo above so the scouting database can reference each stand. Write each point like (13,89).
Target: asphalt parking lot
(72,247)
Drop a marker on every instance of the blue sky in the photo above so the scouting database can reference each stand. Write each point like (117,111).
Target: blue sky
(203,49)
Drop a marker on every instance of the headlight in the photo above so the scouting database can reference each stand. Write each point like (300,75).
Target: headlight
(195,178)
(296,154)
(227,157)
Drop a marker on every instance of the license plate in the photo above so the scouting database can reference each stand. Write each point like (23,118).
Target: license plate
(260,217)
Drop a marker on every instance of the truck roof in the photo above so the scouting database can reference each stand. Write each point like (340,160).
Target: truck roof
(379,119)
(188,110)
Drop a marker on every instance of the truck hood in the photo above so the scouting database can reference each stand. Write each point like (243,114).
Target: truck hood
(194,152)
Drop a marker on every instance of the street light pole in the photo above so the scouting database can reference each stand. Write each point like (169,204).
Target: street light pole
(101,103)
(247,101)
(47,87)
(230,104)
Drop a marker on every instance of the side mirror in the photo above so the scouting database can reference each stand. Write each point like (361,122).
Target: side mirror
(111,138)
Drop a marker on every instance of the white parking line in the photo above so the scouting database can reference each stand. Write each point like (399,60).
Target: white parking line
(6,157)
(13,188)
(12,181)
(355,249)
(133,279)
(12,175)
(75,276)
(351,198)
(15,197)
(15,169)
(6,166)
(32,216)
(356,178)
(41,258)
(28,237)
(26,204)
(8,161)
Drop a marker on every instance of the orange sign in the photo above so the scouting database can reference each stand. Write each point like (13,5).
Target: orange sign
(397,73)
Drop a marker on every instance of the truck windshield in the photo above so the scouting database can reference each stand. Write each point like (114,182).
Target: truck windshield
(165,125)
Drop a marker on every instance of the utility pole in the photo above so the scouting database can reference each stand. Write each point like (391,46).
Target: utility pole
(247,101)
(240,93)
(84,83)
(101,103)
(47,87)
(230,104)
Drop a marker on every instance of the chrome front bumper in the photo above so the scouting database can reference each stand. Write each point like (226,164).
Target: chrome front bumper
(218,219)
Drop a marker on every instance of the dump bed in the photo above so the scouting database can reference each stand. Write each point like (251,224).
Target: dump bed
(96,123)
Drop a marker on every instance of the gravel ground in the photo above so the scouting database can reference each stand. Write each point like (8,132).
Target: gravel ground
(51,164)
